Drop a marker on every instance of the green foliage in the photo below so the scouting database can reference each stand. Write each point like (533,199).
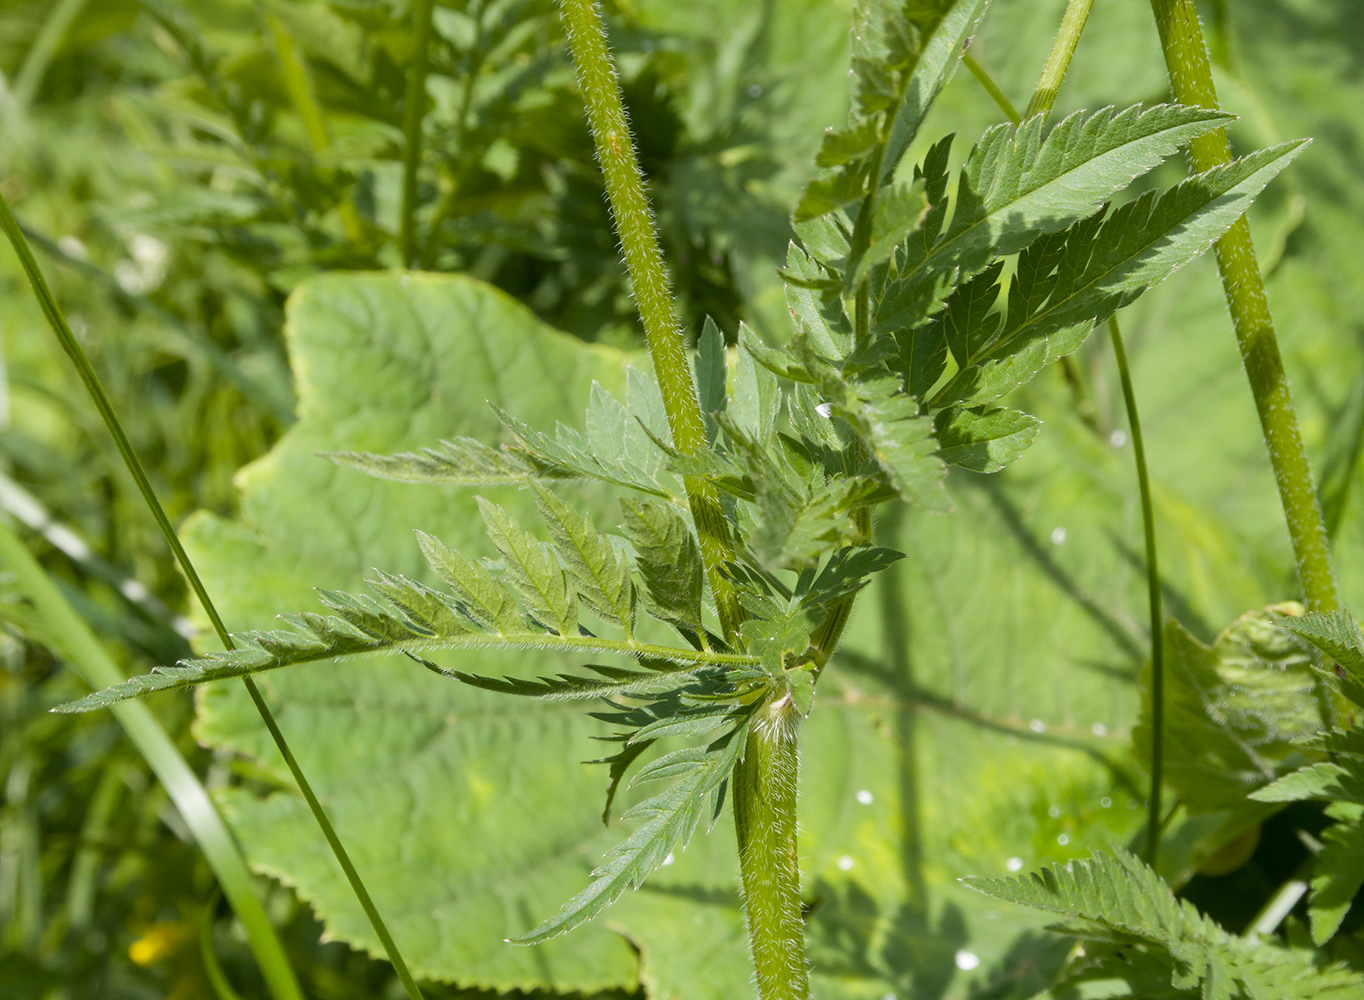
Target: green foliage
(370,717)
(1008,630)
(1339,781)
(1155,940)
(1234,711)
(698,777)
(799,492)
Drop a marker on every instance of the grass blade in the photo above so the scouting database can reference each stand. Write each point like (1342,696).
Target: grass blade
(100,398)
(77,645)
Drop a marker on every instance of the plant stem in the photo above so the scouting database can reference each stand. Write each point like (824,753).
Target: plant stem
(765,822)
(75,644)
(414,106)
(1148,522)
(991,88)
(102,403)
(1058,60)
(1186,57)
(653,295)
(1044,96)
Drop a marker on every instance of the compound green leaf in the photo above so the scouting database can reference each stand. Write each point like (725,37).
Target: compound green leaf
(1335,633)
(669,818)
(669,559)
(984,440)
(1127,903)
(1340,870)
(464,810)
(600,572)
(1017,185)
(533,571)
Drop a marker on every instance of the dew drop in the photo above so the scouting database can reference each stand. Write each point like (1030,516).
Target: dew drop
(1118,438)
(1037,726)
(1054,811)
(865,797)
(967,960)
(845,863)
(825,409)
(669,859)
(1058,536)
(1064,839)
(1014,864)
(1106,802)
(1099,729)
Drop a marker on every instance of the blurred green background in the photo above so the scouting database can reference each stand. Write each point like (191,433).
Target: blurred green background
(181,167)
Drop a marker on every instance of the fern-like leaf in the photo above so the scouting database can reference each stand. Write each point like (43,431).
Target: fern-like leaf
(669,560)
(1017,185)
(600,572)
(414,620)
(1066,285)
(1340,870)
(1117,898)
(459,461)
(618,447)
(533,571)
(1335,633)
(668,820)
(903,55)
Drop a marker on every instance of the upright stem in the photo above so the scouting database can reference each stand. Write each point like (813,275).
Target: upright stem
(414,104)
(765,821)
(991,88)
(765,780)
(102,403)
(653,294)
(1044,96)
(1148,522)
(1186,57)
(1058,60)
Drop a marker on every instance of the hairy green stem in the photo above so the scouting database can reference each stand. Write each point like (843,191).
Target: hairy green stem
(991,88)
(653,293)
(1148,522)
(74,351)
(765,822)
(1058,60)
(1186,57)
(414,106)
